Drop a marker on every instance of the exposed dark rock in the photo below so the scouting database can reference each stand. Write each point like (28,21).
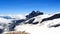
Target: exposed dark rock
(11,27)
(51,18)
(17,22)
(31,21)
(1,31)
(14,24)
(33,14)
(57,25)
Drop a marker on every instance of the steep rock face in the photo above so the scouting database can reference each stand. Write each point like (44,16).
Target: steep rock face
(33,14)
(51,18)
(17,22)
(14,24)
(1,31)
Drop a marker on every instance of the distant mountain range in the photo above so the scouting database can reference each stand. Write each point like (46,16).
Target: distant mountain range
(8,23)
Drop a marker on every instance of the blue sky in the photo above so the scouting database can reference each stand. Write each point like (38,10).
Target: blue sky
(26,6)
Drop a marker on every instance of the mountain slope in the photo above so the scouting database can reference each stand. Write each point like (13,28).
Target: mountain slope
(38,23)
(7,23)
(48,26)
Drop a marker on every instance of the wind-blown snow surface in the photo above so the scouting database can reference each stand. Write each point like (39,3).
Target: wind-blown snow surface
(43,28)
(39,28)
(36,29)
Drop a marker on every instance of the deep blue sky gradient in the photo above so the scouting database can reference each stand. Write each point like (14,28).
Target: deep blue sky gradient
(26,6)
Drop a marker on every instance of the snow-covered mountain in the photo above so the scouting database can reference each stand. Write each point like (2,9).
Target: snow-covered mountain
(7,23)
(34,22)
(41,24)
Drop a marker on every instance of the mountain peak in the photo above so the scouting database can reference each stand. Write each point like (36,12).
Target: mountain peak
(33,14)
